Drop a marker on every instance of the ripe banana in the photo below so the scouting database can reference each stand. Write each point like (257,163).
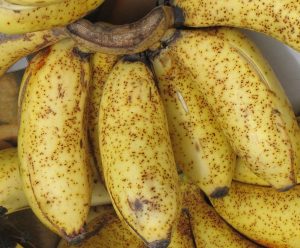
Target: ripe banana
(245,96)
(101,67)
(17,19)
(201,149)
(136,152)
(34,2)
(208,228)
(52,143)
(11,193)
(264,215)
(12,196)
(279,19)
(14,47)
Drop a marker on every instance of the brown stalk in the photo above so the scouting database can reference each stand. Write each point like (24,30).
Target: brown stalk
(123,39)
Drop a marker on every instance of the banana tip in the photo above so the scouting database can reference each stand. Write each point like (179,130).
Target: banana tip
(286,188)
(219,192)
(76,238)
(159,244)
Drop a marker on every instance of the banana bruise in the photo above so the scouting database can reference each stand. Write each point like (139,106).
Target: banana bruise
(102,64)
(34,2)
(208,228)
(279,19)
(52,144)
(201,149)
(250,111)
(264,215)
(107,230)
(136,152)
(12,197)
(15,47)
(19,19)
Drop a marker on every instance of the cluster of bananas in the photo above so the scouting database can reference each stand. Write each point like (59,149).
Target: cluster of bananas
(186,132)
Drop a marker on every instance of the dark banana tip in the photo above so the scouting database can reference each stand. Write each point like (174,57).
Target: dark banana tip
(3,210)
(219,192)
(286,188)
(159,244)
(76,239)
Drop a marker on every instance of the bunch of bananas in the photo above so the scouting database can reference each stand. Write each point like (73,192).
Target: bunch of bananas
(183,127)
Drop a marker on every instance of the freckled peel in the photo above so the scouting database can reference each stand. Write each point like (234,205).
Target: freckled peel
(138,162)
(251,113)
(279,19)
(201,149)
(52,139)
(264,215)
(101,65)
(208,228)
(23,19)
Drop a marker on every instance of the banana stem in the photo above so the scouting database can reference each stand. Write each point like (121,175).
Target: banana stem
(123,39)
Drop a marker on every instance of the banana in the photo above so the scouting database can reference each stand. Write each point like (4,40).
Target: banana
(34,2)
(136,152)
(52,144)
(201,150)
(101,67)
(14,47)
(279,19)
(208,228)
(19,19)
(264,215)
(253,112)
(12,196)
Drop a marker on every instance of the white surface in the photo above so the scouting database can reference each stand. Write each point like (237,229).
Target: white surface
(285,63)
(21,64)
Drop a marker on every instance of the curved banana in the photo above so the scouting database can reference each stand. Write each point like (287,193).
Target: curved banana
(12,196)
(52,144)
(11,192)
(34,2)
(136,152)
(279,19)
(264,215)
(253,112)
(101,64)
(15,47)
(17,19)
(201,149)
(208,228)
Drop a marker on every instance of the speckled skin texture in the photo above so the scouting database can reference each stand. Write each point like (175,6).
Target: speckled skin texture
(12,196)
(253,113)
(16,47)
(201,149)
(101,67)
(209,229)
(269,217)
(35,2)
(52,138)
(45,17)
(279,18)
(136,152)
